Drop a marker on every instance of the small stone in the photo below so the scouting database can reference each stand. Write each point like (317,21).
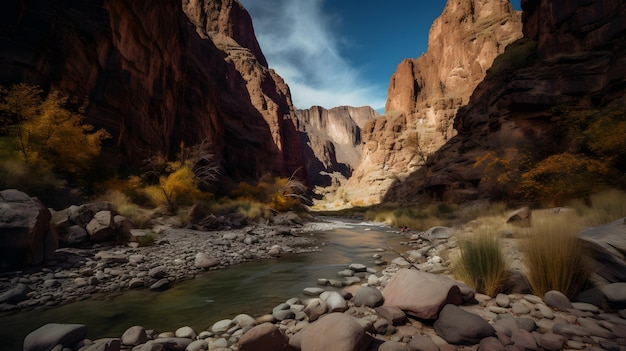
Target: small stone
(615,292)
(368,296)
(519,308)
(135,335)
(490,344)
(523,340)
(357,267)
(422,343)
(533,298)
(136,283)
(551,342)
(185,332)
(220,327)
(586,307)
(558,300)
(345,273)
(502,300)
(545,311)
(312,291)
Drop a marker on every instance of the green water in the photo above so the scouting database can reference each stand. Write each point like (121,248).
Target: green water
(253,288)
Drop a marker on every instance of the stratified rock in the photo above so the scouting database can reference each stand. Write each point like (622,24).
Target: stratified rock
(50,335)
(25,234)
(421,294)
(264,337)
(460,327)
(425,93)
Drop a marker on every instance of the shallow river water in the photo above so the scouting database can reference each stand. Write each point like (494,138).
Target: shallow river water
(253,288)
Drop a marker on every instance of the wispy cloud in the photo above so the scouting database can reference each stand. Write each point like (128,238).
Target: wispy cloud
(300,42)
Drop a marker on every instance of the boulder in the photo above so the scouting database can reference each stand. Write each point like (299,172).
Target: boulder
(457,326)
(606,245)
(135,335)
(334,331)
(264,337)
(74,235)
(25,234)
(15,295)
(48,336)
(101,226)
(421,294)
(368,296)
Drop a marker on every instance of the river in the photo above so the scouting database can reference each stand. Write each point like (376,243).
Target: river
(253,288)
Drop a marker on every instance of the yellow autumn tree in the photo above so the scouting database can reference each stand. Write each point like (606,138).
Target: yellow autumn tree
(46,132)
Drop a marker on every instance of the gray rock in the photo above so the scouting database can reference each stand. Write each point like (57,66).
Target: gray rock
(106,344)
(606,245)
(503,300)
(345,273)
(75,235)
(315,309)
(101,226)
(222,326)
(204,261)
(615,293)
(586,307)
(157,272)
(550,341)
(519,308)
(335,302)
(382,327)
(244,320)
(437,233)
(134,336)
(593,328)
(170,343)
(185,332)
(457,326)
(545,311)
(368,296)
(393,314)
(558,300)
(312,291)
(422,343)
(50,335)
(533,299)
(357,267)
(283,314)
(523,340)
(16,295)
(160,284)
(197,345)
(527,324)
(568,330)
(392,346)
(136,283)
(490,344)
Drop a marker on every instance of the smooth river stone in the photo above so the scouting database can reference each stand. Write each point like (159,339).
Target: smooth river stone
(312,291)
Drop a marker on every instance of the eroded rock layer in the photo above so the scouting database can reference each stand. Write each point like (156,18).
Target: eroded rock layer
(425,93)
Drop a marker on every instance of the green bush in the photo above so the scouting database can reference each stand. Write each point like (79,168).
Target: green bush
(481,263)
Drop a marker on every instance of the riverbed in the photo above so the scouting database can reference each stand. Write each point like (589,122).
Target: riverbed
(253,288)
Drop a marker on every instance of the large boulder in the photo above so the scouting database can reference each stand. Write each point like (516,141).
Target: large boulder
(50,335)
(25,234)
(334,331)
(101,226)
(457,326)
(422,294)
(606,245)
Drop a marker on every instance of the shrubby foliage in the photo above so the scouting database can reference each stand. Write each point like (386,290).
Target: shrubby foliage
(280,193)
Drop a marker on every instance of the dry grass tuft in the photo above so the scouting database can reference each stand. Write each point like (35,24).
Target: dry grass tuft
(481,263)
(554,256)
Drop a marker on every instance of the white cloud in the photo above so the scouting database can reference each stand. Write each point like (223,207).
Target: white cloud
(300,43)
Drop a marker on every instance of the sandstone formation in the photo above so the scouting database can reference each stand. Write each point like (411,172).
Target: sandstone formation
(572,56)
(425,93)
(332,141)
(158,73)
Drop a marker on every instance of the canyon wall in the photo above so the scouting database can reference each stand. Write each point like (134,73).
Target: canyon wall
(425,93)
(332,141)
(572,58)
(158,73)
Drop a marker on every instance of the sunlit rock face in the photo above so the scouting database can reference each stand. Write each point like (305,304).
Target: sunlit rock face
(332,140)
(572,56)
(158,73)
(425,93)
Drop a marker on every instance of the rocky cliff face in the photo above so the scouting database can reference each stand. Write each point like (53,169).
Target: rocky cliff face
(572,55)
(333,140)
(158,73)
(425,93)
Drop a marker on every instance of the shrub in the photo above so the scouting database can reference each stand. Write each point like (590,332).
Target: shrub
(554,256)
(606,207)
(124,206)
(481,263)
(415,217)
(279,193)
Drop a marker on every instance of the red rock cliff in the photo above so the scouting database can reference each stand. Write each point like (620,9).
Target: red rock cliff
(425,93)
(156,75)
(573,55)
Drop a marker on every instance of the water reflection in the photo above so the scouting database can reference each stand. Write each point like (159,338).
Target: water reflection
(253,288)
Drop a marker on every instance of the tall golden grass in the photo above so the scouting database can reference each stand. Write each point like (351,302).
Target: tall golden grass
(555,259)
(481,263)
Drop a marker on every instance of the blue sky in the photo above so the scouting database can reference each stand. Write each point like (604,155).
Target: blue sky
(341,52)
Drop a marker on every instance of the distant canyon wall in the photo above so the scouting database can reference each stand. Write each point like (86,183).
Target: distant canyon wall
(332,141)
(425,93)
(158,73)
(572,56)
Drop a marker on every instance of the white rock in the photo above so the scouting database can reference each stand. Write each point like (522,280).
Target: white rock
(185,332)
(220,327)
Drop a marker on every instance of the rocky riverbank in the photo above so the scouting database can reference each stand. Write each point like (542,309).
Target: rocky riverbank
(404,306)
(72,274)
